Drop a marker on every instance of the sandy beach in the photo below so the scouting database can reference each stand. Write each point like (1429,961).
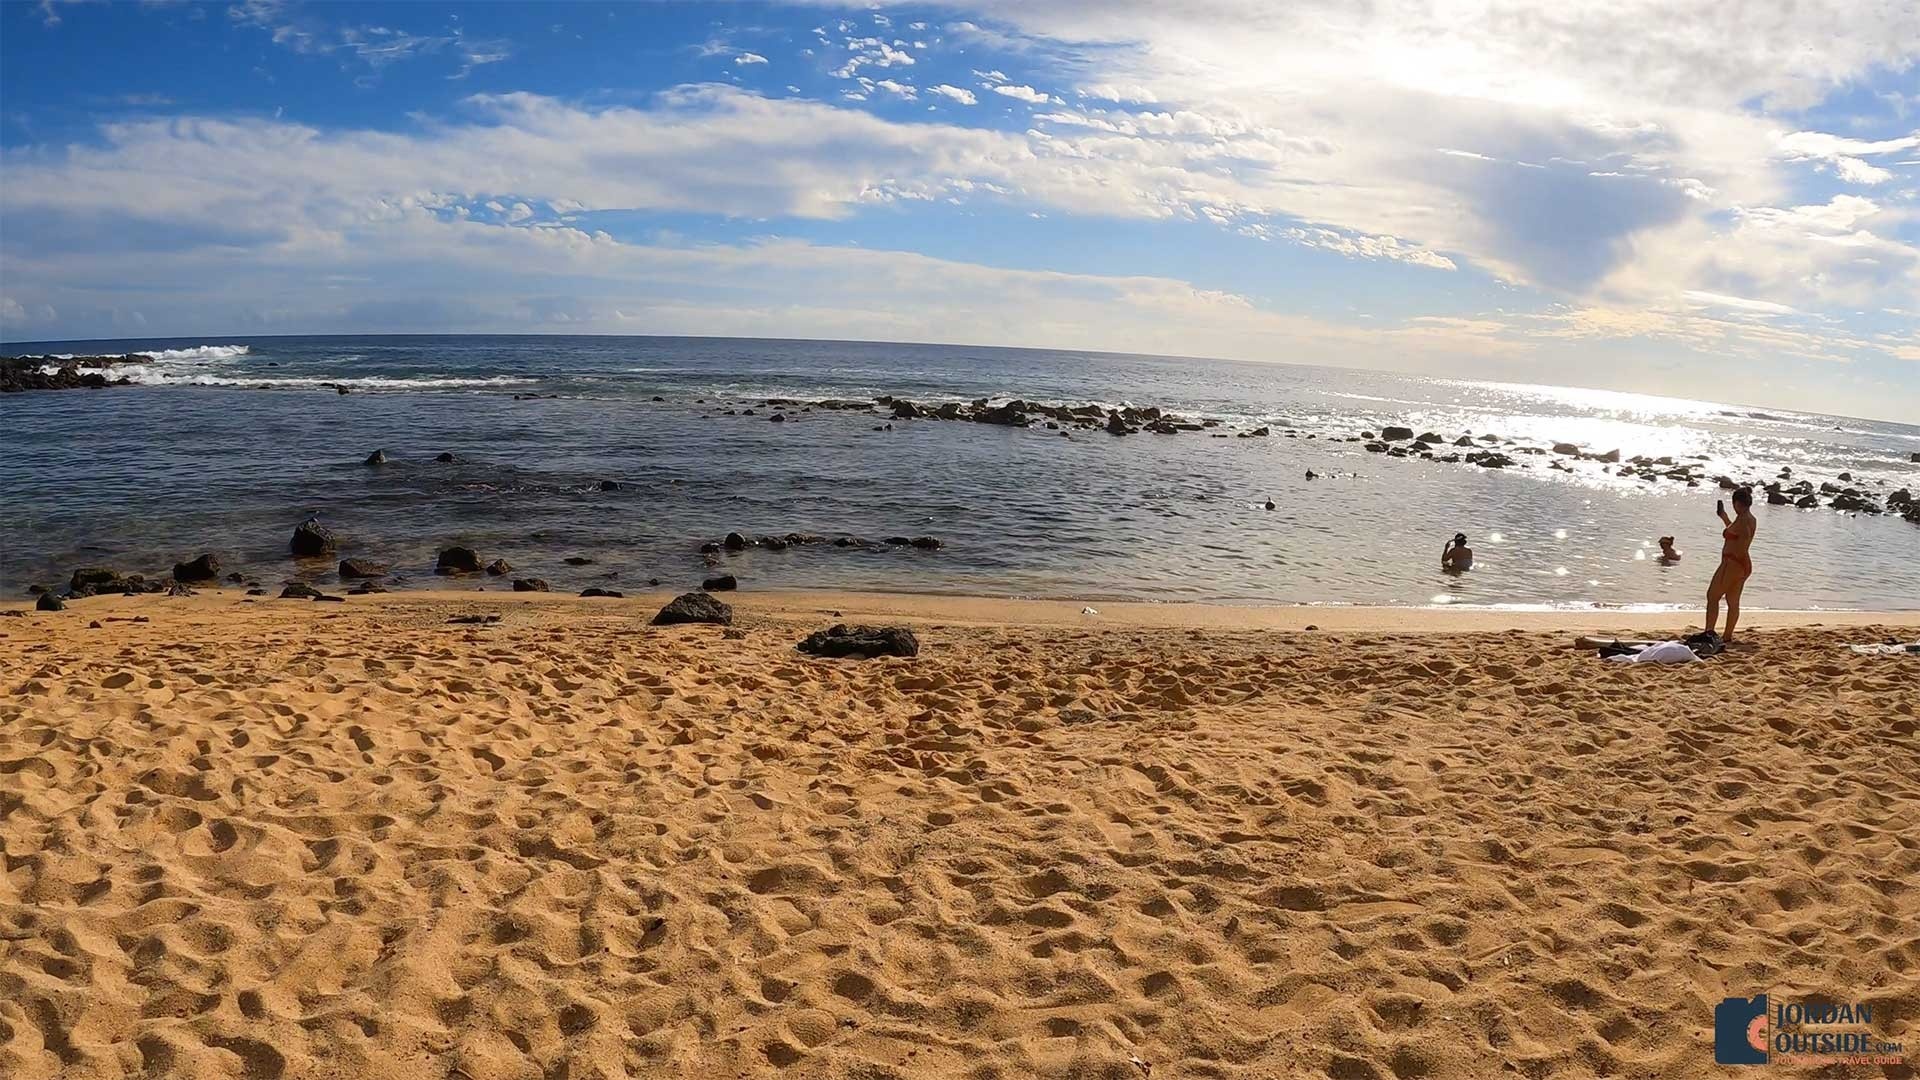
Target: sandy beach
(266,838)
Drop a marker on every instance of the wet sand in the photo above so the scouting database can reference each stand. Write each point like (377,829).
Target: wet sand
(289,839)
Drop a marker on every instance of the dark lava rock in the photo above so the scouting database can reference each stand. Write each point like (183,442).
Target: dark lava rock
(653,581)
(310,538)
(709,549)
(864,642)
(329,598)
(204,568)
(1914,457)
(925,543)
(368,587)
(1611,457)
(256,592)
(1566,448)
(378,457)
(36,590)
(1463,441)
(906,410)
(49,602)
(1116,425)
(446,457)
(577,560)
(1394,433)
(598,591)
(529,584)
(694,607)
(236,577)
(100,581)
(1775,498)
(362,568)
(1257,433)
(723,583)
(499,568)
(1807,502)
(777,418)
(457,560)
(734,542)
(1376,448)
(610,485)
(300,590)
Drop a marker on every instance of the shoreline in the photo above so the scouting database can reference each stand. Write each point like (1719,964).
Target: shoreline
(802,605)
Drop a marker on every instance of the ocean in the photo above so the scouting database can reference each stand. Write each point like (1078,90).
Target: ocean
(227,443)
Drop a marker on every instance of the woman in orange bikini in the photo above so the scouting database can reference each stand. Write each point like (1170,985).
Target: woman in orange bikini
(1736,562)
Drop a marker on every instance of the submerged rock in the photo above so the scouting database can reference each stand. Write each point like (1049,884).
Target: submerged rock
(723,583)
(310,539)
(864,642)
(694,607)
(362,568)
(204,568)
(1395,433)
(457,560)
(595,590)
(378,457)
(530,584)
(499,568)
(446,457)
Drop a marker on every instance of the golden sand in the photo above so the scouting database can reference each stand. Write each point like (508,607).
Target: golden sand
(289,839)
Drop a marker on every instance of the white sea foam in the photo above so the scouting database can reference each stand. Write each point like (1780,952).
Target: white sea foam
(149,375)
(198,352)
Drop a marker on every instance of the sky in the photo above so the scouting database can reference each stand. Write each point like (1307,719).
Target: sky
(1712,200)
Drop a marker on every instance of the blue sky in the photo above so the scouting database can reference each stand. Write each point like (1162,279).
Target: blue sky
(1717,201)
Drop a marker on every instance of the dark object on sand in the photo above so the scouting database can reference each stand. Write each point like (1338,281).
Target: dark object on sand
(368,587)
(49,602)
(499,568)
(457,560)
(595,590)
(101,581)
(310,538)
(204,568)
(529,584)
(864,642)
(300,590)
(694,607)
(723,583)
(362,568)
(475,620)
(378,457)
(331,598)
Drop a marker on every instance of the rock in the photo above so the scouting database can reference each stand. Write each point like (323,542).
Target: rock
(49,602)
(610,485)
(529,584)
(1566,448)
(864,642)
(1116,425)
(1257,433)
(236,577)
(310,539)
(446,457)
(723,583)
(709,549)
(256,592)
(577,560)
(778,418)
(457,560)
(1807,502)
(1376,448)
(1393,433)
(734,542)
(1775,498)
(906,410)
(499,568)
(362,568)
(1846,477)
(100,581)
(36,590)
(1611,457)
(330,599)
(1914,457)
(1431,439)
(378,457)
(1311,474)
(300,590)
(595,590)
(694,607)
(925,543)
(1463,441)
(204,568)
(1494,461)
(366,588)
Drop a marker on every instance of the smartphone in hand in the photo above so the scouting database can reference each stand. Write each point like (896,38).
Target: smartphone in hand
(1720,506)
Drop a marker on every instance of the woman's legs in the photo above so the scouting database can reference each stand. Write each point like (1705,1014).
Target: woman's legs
(1737,582)
(1715,589)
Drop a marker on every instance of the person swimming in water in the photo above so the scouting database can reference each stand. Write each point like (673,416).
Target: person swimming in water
(1736,561)
(1456,556)
(1667,552)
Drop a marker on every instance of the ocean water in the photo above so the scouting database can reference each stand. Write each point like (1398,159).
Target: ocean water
(227,443)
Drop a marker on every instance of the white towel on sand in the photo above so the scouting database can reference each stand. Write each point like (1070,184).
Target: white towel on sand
(1660,652)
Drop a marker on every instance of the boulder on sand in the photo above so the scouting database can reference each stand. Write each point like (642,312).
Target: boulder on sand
(1566,448)
(49,602)
(204,568)
(361,568)
(1392,433)
(529,584)
(723,583)
(457,560)
(300,590)
(595,590)
(864,642)
(694,607)
(499,568)
(310,538)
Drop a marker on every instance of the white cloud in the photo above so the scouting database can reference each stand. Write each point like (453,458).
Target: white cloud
(746,58)
(1023,93)
(957,93)
(897,89)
